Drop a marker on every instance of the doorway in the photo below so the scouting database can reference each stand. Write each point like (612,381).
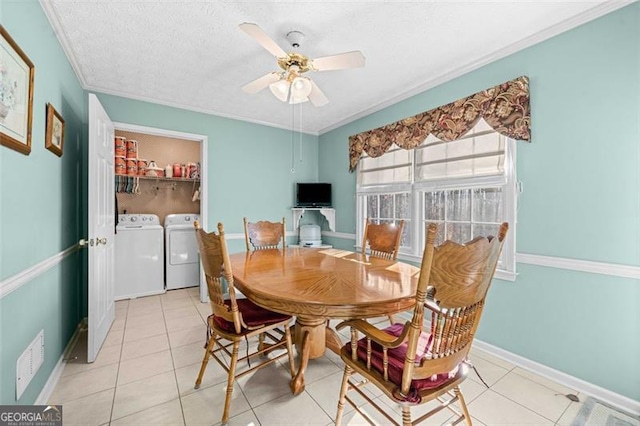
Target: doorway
(204,190)
(101,217)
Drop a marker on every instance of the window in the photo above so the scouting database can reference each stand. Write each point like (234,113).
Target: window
(391,208)
(467,186)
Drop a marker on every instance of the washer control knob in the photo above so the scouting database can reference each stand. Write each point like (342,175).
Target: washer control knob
(133,218)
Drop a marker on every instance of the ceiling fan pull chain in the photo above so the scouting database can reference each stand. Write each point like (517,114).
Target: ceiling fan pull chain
(300,149)
(293,139)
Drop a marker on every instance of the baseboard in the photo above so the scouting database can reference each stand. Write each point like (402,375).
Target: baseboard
(614,399)
(48,388)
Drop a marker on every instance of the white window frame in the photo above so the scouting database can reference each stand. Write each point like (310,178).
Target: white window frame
(361,209)
(508,180)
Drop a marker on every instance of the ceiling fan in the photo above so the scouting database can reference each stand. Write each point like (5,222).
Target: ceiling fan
(291,85)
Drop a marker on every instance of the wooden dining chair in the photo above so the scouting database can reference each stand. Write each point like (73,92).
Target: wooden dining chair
(235,320)
(412,366)
(263,234)
(383,240)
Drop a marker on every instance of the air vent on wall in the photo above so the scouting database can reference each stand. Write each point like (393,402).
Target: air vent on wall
(29,363)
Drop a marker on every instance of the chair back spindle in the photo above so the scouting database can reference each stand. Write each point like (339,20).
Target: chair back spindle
(460,276)
(411,365)
(383,240)
(234,320)
(214,256)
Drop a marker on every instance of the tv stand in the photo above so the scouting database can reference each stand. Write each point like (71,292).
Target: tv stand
(328,212)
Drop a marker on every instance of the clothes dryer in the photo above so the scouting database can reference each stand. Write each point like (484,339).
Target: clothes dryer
(139,256)
(182,264)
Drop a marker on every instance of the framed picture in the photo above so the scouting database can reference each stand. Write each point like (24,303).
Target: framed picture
(54,138)
(16,95)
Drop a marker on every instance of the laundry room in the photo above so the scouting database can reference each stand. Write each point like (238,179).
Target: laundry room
(157,186)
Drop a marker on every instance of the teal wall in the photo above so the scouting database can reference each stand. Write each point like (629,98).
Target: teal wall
(249,165)
(40,208)
(43,204)
(581,180)
(581,200)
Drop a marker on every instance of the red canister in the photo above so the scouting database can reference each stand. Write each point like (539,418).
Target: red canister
(132,167)
(120,146)
(191,170)
(120,165)
(177,170)
(142,167)
(132,149)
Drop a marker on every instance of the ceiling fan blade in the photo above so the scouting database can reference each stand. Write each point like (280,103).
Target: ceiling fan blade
(260,83)
(353,59)
(316,96)
(261,37)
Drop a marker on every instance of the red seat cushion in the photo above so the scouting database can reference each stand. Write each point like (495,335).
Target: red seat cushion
(252,314)
(396,358)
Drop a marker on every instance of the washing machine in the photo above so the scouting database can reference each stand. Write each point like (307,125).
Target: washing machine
(139,256)
(182,264)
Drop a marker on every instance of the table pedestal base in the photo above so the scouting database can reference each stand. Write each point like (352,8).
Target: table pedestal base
(312,336)
(309,336)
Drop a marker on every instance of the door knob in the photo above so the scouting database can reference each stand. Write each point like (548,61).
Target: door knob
(84,243)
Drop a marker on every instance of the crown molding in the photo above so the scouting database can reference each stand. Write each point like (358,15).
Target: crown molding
(568,24)
(54,21)
(587,16)
(101,90)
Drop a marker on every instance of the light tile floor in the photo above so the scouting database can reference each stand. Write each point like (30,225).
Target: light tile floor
(144,375)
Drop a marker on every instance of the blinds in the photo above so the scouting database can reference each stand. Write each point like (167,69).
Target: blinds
(394,166)
(478,153)
(481,152)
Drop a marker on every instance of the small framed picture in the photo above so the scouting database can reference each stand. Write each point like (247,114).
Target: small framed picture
(16,95)
(54,138)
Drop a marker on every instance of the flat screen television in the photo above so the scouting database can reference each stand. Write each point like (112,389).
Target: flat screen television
(313,194)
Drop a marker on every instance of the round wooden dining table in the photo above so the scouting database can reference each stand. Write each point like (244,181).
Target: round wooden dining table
(316,285)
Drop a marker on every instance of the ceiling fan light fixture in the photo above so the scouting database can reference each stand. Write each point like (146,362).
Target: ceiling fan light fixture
(290,86)
(295,100)
(300,88)
(280,89)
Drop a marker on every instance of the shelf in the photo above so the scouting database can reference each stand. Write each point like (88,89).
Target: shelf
(173,179)
(328,212)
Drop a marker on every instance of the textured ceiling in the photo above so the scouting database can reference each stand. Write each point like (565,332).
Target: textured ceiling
(191,54)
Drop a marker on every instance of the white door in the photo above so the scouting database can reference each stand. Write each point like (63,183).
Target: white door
(101,305)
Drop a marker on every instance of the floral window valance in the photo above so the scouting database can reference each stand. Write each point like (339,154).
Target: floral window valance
(504,107)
